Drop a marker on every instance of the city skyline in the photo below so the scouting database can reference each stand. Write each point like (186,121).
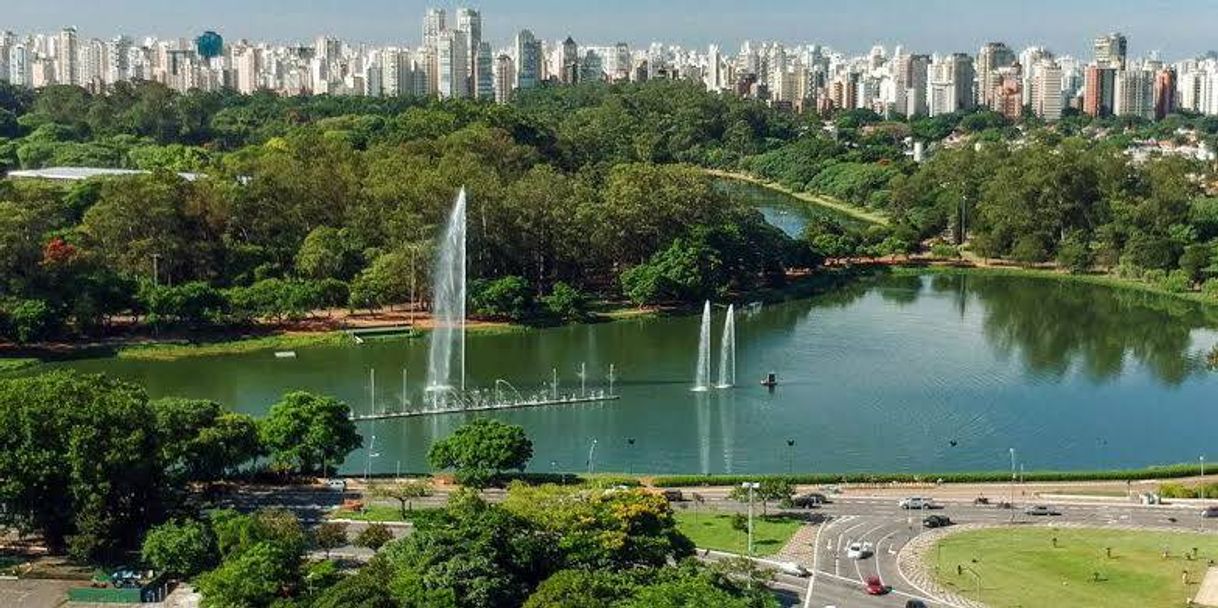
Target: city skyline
(934,25)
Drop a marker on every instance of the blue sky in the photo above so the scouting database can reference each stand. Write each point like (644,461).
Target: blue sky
(1177,28)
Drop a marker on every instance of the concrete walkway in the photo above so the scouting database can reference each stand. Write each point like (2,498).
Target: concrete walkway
(799,548)
(1208,594)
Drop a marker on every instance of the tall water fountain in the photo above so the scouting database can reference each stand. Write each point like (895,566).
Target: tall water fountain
(448,308)
(727,350)
(703,371)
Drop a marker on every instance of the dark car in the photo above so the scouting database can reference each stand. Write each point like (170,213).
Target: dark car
(915,604)
(936,521)
(809,500)
(1041,511)
(1210,512)
(673,496)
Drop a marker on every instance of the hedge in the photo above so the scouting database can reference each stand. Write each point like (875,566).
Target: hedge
(1159,472)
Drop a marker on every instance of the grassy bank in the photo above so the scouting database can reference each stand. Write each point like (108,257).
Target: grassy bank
(166,351)
(840,206)
(1104,280)
(714,531)
(1160,472)
(1023,567)
(18,364)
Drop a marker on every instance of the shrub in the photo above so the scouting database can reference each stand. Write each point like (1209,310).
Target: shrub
(1177,281)
(508,298)
(566,303)
(944,251)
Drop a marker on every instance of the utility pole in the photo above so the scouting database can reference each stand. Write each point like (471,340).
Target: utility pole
(156,258)
(750,486)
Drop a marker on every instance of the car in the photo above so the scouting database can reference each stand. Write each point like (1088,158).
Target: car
(673,495)
(875,586)
(336,485)
(916,502)
(858,550)
(809,500)
(1041,511)
(793,569)
(936,521)
(915,604)
(1210,512)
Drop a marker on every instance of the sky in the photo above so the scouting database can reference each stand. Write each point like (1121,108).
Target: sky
(1176,28)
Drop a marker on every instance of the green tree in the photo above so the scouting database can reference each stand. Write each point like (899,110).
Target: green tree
(508,298)
(480,450)
(580,589)
(303,432)
(405,492)
(361,590)
(180,548)
(255,578)
(566,303)
(327,253)
(84,471)
(200,441)
(374,536)
(330,535)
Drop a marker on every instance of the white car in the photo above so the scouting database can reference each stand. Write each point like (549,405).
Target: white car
(916,502)
(793,569)
(858,550)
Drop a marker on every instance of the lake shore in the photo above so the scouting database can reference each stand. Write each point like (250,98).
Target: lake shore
(820,200)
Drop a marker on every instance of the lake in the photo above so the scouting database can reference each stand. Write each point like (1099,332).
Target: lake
(890,373)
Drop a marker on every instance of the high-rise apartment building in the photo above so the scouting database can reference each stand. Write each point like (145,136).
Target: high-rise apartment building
(1165,93)
(7,41)
(67,67)
(209,45)
(1133,94)
(1049,99)
(247,64)
(528,60)
(910,86)
(1099,87)
(484,72)
(470,22)
(1111,50)
(950,84)
(992,57)
(434,23)
(568,62)
(505,78)
(452,65)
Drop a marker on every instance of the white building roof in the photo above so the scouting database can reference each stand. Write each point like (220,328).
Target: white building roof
(82,173)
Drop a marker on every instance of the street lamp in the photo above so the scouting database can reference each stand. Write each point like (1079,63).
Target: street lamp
(790,455)
(592,458)
(630,456)
(1203,466)
(750,486)
(1012,500)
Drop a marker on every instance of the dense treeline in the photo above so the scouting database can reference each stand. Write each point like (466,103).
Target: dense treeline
(318,202)
(89,463)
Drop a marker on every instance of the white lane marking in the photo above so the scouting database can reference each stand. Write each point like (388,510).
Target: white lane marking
(815,565)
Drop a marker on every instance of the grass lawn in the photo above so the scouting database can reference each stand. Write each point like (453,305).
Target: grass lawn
(714,531)
(1019,567)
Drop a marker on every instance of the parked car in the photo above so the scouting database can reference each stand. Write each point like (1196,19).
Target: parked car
(875,586)
(858,550)
(809,500)
(1041,511)
(793,569)
(1209,512)
(916,502)
(936,521)
(915,604)
(673,495)
(336,485)
(980,500)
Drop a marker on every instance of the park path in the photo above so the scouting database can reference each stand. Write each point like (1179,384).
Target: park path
(799,548)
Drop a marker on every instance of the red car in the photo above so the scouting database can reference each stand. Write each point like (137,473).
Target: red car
(876,587)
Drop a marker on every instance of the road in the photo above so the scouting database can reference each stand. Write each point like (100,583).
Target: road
(867,516)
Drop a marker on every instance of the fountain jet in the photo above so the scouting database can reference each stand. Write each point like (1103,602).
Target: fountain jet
(703,372)
(448,306)
(727,351)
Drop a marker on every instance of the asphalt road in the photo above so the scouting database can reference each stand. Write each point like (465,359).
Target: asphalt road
(836,580)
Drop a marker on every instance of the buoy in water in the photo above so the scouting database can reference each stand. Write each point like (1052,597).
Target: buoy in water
(771,380)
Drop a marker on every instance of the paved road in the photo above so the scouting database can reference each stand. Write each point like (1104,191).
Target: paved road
(877,520)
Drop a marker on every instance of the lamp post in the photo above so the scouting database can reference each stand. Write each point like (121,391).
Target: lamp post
(1203,466)
(592,458)
(630,455)
(1013,477)
(790,455)
(750,486)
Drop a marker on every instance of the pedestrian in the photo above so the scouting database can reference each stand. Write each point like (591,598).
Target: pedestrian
(1184,577)
(1054,542)
(1108,551)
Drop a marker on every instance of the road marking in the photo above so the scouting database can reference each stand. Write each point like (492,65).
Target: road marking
(815,564)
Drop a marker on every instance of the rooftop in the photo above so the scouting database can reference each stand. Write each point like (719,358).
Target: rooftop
(82,173)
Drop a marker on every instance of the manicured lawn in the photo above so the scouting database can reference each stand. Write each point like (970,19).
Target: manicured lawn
(714,531)
(1019,567)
